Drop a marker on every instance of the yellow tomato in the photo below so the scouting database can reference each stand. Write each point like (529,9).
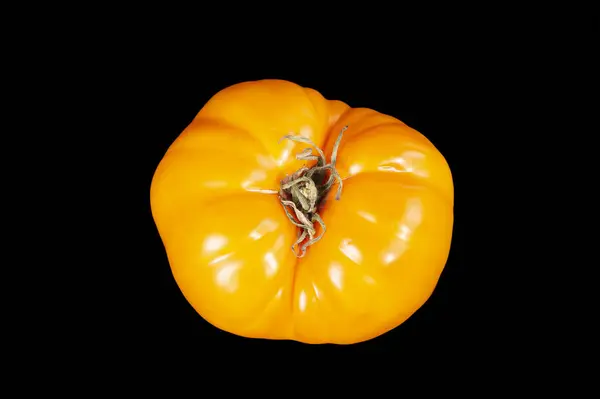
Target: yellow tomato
(217,197)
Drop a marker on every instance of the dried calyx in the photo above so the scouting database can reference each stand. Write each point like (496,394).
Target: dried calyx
(303,192)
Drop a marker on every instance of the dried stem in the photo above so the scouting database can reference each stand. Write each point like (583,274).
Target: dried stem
(305,189)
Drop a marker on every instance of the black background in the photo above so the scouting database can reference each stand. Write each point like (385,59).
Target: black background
(102,94)
(108,93)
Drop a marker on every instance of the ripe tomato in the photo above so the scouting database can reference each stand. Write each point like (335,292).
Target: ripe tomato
(219,204)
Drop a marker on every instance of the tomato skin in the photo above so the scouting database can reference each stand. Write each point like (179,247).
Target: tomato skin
(215,204)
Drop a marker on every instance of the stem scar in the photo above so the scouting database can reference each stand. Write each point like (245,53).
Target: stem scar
(304,190)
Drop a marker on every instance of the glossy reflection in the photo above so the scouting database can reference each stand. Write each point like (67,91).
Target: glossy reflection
(271,264)
(336,273)
(302,301)
(371,218)
(226,275)
(351,251)
(213,243)
(265,226)
(255,177)
(409,162)
(400,241)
